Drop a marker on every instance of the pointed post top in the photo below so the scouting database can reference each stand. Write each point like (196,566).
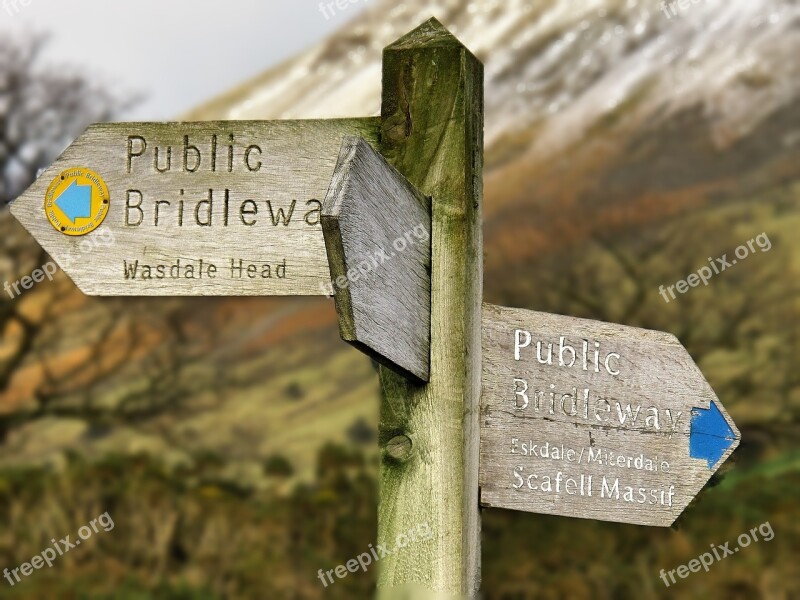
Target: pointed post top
(431,34)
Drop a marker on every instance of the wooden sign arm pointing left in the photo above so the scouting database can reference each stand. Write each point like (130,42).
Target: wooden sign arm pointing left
(218,208)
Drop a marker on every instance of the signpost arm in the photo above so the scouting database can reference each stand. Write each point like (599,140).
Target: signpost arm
(432,132)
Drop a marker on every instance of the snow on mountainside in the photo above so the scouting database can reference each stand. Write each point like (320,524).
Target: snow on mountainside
(561,64)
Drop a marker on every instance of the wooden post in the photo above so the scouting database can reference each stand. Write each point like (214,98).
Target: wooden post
(432,132)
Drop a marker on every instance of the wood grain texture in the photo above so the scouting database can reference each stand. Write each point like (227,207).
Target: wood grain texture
(586,419)
(377,233)
(258,203)
(432,132)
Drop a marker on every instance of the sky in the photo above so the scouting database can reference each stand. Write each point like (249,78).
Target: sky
(176,54)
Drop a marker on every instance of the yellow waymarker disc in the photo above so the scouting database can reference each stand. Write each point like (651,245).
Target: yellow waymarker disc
(77,201)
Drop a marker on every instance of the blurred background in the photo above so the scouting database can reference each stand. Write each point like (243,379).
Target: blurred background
(233,441)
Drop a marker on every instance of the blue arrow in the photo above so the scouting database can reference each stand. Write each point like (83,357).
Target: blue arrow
(76,201)
(710,434)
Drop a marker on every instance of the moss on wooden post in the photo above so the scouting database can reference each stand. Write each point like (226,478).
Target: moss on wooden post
(432,132)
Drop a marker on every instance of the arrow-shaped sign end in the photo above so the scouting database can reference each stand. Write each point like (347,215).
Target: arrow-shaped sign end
(711,435)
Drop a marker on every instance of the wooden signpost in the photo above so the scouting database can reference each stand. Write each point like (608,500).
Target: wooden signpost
(546,414)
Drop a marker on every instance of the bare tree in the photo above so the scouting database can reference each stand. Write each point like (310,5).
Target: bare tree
(42,109)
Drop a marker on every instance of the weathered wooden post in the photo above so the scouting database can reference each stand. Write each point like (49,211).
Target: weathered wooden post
(432,132)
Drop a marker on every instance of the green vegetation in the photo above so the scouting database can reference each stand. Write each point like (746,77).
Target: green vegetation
(178,541)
